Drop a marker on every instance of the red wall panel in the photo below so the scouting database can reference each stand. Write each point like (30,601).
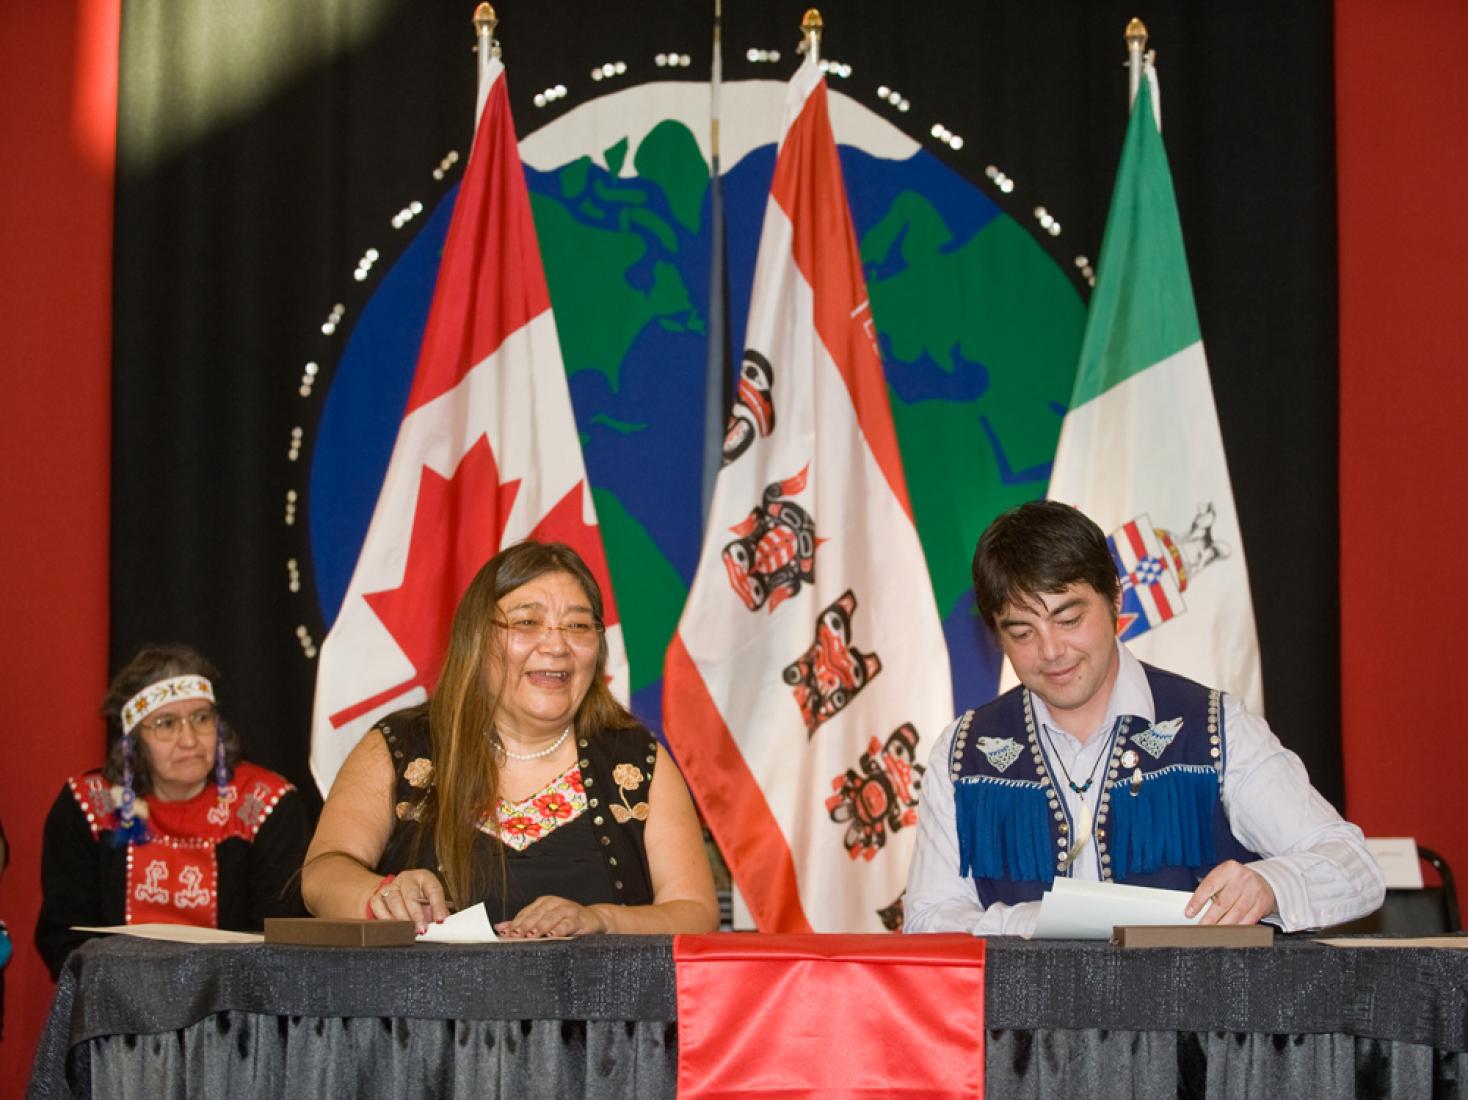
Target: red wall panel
(58,95)
(1402,155)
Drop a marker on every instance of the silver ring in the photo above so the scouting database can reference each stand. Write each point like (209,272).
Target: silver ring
(385,894)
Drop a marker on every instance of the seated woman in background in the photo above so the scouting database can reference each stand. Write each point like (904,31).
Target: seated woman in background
(522,781)
(175,828)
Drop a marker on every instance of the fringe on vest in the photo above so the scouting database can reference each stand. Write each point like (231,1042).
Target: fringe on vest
(1168,822)
(1003,829)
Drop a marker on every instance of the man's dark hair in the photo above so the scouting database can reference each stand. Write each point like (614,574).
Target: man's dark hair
(1040,547)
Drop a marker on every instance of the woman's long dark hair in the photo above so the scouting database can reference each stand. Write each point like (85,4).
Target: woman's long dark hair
(464,704)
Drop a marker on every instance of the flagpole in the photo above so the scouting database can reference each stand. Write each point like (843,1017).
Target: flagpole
(716,370)
(811,27)
(716,78)
(485,22)
(1136,45)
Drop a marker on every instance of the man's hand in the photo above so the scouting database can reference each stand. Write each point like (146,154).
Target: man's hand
(1239,895)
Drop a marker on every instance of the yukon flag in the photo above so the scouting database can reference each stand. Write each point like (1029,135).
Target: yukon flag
(1140,451)
(487,454)
(809,676)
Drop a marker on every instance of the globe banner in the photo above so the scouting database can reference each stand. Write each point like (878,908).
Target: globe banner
(978,329)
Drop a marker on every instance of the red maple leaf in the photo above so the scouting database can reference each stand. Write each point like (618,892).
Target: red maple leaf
(457,526)
(563,523)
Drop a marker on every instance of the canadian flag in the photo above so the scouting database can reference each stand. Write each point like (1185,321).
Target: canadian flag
(809,674)
(487,454)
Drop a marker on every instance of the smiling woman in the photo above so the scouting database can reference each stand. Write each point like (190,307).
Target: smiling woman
(175,828)
(578,822)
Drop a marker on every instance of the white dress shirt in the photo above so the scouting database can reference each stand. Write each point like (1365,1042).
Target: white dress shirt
(1316,863)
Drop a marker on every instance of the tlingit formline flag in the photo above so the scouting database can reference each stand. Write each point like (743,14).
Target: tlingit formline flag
(1140,451)
(487,454)
(809,675)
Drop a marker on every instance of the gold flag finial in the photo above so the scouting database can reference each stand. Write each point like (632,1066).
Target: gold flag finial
(810,34)
(1136,34)
(486,45)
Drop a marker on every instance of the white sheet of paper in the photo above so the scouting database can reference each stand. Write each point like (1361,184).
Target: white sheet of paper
(1398,858)
(1072,910)
(466,926)
(176,933)
(1456,943)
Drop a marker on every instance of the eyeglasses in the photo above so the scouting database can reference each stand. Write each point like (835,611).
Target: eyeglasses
(166,727)
(528,630)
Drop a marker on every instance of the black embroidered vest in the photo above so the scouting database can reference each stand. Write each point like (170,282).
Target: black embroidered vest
(616,768)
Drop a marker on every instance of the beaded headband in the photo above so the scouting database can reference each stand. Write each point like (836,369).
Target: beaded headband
(163,692)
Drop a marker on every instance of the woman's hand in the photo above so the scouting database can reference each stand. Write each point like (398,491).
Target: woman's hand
(415,895)
(552,916)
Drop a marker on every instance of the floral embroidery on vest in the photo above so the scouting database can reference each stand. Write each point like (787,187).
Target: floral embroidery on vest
(521,824)
(628,777)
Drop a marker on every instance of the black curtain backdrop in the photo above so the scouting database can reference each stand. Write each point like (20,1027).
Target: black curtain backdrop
(245,192)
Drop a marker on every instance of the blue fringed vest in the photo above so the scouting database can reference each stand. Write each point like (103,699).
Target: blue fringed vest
(1159,818)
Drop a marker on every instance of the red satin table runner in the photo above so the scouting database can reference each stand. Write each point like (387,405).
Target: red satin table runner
(784,1016)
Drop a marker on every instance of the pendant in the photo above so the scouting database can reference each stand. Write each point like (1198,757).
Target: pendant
(1084,823)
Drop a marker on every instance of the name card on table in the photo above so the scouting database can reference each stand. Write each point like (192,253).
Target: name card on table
(338,932)
(1398,858)
(1193,935)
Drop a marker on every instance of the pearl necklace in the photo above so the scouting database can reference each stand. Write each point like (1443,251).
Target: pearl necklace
(552,747)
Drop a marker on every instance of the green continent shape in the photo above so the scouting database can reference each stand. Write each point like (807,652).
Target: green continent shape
(621,427)
(649,221)
(1002,301)
(613,196)
(615,156)
(670,157)
(650,594)
(598,313)
(572,177)
(669,295)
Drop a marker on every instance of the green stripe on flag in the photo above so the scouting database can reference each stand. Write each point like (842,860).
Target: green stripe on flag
(1142,311)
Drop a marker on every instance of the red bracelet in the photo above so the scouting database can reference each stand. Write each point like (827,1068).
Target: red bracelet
(385,880)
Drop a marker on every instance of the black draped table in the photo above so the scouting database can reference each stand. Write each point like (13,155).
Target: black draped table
(598,1017)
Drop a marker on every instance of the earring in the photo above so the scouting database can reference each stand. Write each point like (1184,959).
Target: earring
(221,765)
